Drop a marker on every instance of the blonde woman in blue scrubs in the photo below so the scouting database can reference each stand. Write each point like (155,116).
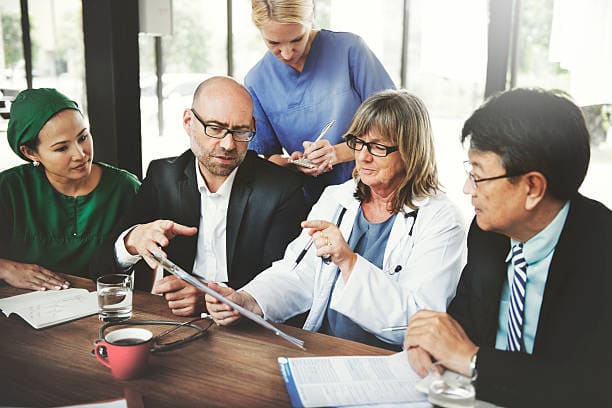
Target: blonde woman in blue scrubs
(306,79)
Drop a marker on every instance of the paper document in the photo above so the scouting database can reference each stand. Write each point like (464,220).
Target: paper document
(47,308)
(356,380)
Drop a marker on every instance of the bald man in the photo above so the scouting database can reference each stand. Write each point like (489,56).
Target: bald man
(217,210)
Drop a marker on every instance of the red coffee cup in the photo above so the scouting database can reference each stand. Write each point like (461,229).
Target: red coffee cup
(127,352)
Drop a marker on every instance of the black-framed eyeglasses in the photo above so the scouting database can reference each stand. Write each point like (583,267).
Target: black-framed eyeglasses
(467,166)
(375,149)
(219,132)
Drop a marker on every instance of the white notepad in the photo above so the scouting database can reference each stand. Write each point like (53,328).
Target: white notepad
(47,308)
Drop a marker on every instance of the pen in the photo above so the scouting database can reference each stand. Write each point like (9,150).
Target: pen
(326,258)
(323,132)
(325,129)
(301,255)
(394,328)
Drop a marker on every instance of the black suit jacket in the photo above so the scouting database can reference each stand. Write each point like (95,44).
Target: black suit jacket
(573,341)
(265,209)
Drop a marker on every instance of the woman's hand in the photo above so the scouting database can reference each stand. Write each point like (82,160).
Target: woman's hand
(30,276)
(329,241)
(320,153)
(223,314)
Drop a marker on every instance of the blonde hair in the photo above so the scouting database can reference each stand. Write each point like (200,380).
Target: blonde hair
(403,118)
(282,11)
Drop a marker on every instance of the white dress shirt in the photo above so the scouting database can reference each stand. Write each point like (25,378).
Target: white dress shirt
(211,255)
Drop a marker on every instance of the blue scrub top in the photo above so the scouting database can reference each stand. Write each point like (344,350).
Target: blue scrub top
(340,72)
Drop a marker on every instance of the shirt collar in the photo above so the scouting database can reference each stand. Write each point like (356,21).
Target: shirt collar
(223,191)
(545,241)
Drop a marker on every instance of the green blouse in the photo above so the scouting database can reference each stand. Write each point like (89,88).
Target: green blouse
(39,225)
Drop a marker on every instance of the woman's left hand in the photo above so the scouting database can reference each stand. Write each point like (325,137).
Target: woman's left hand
(329,241)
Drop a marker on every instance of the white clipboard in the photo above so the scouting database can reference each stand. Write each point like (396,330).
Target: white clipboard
(182,274)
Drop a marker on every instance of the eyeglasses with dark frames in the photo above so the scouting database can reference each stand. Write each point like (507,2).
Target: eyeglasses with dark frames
(375,149)
(467,166)
(219,132)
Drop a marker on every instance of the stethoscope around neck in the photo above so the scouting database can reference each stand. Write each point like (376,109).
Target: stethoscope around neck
(413,215)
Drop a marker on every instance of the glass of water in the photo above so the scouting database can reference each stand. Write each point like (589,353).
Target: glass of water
(450,389)
(114,297)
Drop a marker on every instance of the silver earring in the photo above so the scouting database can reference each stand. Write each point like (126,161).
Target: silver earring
(35,163)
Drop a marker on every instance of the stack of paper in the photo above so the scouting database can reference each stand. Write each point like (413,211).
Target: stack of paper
(343,381)
(47,308)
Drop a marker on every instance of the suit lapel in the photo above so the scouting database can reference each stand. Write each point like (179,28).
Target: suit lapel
(189,199)
(562,265)
(491,299)
(491,263)
(239,197)
(189,196)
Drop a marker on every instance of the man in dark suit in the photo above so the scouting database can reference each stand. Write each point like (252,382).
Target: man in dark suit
(218,209)
(533,306)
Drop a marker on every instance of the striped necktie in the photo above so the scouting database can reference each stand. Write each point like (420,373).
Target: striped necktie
(517,300)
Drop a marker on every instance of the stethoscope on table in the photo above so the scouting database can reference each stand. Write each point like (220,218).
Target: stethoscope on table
(158,344)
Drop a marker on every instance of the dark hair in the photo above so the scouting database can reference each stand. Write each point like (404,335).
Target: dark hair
(33,144)
(534,130)
(404,119)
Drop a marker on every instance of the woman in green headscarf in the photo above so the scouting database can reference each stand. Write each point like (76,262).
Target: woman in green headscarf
(55,211)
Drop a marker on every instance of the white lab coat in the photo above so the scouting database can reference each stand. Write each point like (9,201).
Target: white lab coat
(419,271)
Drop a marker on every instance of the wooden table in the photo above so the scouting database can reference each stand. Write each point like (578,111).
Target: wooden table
(229,367)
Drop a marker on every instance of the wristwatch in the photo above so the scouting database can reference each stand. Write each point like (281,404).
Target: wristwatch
(473,373)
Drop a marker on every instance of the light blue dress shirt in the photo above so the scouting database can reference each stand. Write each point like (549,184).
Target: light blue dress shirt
(538,253)
(290,107)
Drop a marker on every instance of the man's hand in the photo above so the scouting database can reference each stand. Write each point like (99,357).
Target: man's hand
(224,315)
(146,239)
(183,299)
(419,360)
(439,335)
(30,276)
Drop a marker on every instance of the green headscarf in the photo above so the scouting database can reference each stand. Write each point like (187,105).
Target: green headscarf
(30,111)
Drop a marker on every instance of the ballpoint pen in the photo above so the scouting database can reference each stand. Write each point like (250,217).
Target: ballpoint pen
(394,328)
(325,129)
(326,258)
(303,253)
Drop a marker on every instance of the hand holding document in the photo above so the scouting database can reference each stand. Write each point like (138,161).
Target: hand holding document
(201,284)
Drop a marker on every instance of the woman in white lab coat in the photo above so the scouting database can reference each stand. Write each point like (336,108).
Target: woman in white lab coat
(386,243)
